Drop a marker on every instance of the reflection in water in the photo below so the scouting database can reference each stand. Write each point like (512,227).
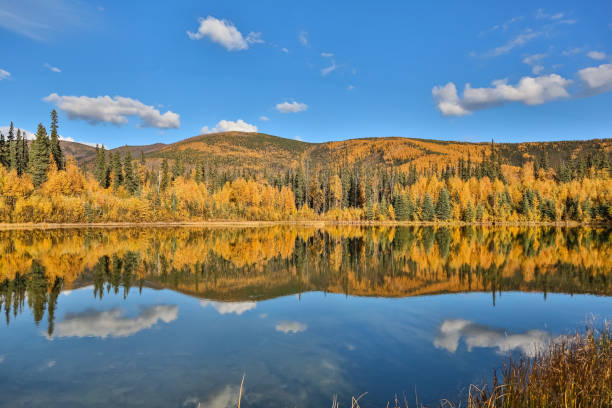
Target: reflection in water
(113,322)
(229,307)
(245,265)
(226,398)
(290,327)
(475,335)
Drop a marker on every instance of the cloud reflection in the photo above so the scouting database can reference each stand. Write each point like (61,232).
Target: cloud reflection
(452,330)
(113,322)
(229,307)
(291,327)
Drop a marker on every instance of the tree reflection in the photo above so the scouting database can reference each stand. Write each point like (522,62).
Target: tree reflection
(258,263)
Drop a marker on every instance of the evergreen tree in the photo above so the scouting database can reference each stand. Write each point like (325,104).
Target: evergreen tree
(131,183)
(164,180)
(19,160)
(479,212)
(54,143)
(101,170)
(468,213)
(25,153)
(370,211)
(3,151)
(443,206)
(12,148)
(427,209)
(399,205)
(117,170)
(39,156)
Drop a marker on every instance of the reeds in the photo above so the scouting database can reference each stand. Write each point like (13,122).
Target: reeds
(573,371)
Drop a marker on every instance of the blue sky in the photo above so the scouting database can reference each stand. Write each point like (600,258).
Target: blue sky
(141,72)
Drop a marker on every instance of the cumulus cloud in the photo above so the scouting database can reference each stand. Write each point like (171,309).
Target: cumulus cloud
(291,107)
(303,37)
(51,68)
(113,110)
(230,126)
(529,91)
(229,307)
(290,327)
(225,33)
(597,79)
(478,336)
(597,55)
(113,322)
(515,42)
(4,74)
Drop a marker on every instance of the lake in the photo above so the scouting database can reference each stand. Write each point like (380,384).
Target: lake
(173,317)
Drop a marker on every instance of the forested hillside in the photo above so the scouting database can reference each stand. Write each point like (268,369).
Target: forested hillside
(261,177)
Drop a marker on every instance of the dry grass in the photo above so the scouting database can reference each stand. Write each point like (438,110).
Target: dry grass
(572,372)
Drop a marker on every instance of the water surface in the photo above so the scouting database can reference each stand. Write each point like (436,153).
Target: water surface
(175,316)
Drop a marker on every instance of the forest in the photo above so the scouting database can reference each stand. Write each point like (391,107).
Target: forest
(40,183)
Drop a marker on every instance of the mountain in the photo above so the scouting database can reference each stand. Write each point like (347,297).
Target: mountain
(259,151)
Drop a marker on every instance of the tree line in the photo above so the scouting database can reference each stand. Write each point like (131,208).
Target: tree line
(39,184)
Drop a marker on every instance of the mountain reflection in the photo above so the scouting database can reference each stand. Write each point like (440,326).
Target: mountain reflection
(479,336)
(233,268)
(113,322)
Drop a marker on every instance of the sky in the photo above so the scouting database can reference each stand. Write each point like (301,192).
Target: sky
(141,72)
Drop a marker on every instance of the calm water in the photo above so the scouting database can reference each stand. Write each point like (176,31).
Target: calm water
(174,317)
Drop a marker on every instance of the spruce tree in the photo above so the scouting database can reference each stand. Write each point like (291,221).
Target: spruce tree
(39,156)
(427,209)
(164,180)
(101,170)
(468,213)
(479,212)
(131,183)
(24,153)
(117,170)
(55,148)
(12,151)
(443,206)
(19,166)
(3,151)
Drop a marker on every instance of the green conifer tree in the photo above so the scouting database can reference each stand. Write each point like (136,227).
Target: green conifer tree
(54,143)
(101,171)
(468,213)
(3,151)
(164,180)
(117,170)
(427,209)
(443,206)
(39,156)
(131,183)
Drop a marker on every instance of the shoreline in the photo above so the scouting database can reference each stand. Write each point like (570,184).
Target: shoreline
(296,223)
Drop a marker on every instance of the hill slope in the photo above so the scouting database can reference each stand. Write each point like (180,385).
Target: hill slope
(259,151)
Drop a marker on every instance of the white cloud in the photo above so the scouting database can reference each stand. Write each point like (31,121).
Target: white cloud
(113,110)
(299,138)
(264,118)
(328,70)
(303,37)
(254,38)
(541,14)
(327,54)
(534,62)
(597,79)
(284,49)
(225,33)
(572,51)
(517,41)
(52,68)
(291,107)
(478,336)
(291,327)
(113,322)
(350,87)
(230,126)
(229,307)
(505,25)
(4,74)
(597,55)
(529,91)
